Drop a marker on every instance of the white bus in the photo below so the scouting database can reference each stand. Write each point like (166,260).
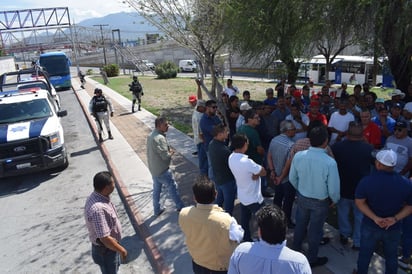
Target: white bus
(350,69)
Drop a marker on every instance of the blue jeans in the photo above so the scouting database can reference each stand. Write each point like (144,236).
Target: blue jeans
(284,198)
(226,195)
(407,237)
(370,237)
(166,178)
(202,157)
(246,213)
(108,260)
(344,207)
(310,216)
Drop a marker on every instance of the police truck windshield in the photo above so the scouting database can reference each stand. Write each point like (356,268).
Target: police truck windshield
(24,111)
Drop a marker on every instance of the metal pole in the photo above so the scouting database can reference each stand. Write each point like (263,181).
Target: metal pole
(74,43)
(114,43)
(121,56)
(104,48)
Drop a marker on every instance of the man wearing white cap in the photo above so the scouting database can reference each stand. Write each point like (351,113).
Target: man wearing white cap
(384,197)
(241,119)
(396,98)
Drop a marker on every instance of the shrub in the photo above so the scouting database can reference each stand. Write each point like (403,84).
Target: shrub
(166,70)
(89,72)
(112,70)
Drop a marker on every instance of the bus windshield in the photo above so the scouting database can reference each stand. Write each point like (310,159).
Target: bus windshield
(55,65)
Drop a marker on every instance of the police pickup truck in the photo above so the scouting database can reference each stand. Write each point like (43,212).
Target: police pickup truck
(31,135)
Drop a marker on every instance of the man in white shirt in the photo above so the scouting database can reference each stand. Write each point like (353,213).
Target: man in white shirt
(231,90)
(247,174)
(299,120)
(339,122)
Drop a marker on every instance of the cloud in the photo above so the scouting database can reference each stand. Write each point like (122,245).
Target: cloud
(78,9)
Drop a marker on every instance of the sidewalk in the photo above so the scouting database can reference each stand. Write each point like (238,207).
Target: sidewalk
(126,156)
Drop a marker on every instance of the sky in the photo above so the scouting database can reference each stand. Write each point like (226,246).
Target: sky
(78,9)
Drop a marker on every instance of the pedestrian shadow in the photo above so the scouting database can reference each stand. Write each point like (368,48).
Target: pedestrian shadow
(83,152)
(125,113)
(134,246)
(182,263)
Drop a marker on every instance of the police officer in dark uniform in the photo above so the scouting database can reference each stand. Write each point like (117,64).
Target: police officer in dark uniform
(99,107)
(136,88)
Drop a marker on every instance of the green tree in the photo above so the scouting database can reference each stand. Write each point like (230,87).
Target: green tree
(386,30)
(195,24)
(334,25)
(396,37)
(270,30)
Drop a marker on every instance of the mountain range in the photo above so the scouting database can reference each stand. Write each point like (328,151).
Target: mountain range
(131,24)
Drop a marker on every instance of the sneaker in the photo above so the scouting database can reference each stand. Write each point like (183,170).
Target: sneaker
(343,240)
(404,263)
(325,240)
(160,212)
(319,261)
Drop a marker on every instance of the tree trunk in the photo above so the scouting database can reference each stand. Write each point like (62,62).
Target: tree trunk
(292,69)
(401,71)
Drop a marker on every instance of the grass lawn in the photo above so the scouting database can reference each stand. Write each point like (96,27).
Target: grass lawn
(169,97)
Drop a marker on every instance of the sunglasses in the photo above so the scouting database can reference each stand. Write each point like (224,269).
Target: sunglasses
(399,129)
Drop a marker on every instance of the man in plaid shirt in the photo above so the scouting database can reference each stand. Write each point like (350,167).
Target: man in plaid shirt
(103,225)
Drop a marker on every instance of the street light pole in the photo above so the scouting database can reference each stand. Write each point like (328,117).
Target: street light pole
(104,48)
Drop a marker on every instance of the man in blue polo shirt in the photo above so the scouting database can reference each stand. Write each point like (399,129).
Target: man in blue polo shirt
(384,198)
(208,121)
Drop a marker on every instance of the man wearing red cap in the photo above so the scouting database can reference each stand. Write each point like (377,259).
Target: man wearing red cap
(297,100)
(192,100)
(314,113)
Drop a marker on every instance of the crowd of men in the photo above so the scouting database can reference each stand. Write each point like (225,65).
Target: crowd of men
(313,149)
(317,149)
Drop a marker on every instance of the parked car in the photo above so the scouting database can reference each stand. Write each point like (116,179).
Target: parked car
(187,66)
(149,64)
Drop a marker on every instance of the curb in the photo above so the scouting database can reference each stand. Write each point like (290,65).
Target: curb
(153,253)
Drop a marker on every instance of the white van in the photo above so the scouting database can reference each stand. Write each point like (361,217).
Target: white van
(187,65)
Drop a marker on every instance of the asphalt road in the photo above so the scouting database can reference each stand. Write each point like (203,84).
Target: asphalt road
(42,227)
